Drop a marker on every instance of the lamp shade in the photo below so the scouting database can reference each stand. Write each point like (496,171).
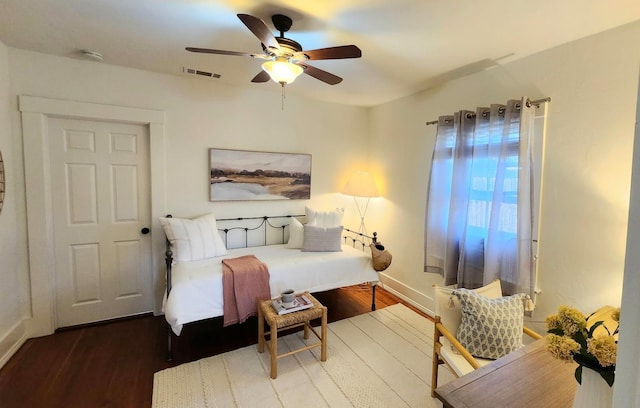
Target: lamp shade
(361,184)
(282,71)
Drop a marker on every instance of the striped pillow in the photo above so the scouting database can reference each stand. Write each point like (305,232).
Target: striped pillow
(192,240)
(327,219)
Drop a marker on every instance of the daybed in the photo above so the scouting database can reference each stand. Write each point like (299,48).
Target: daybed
(195,251)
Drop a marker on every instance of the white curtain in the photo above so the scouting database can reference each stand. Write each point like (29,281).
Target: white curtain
(478,216)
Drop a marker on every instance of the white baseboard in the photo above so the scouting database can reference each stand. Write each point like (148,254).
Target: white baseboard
(407,293)
(12,341)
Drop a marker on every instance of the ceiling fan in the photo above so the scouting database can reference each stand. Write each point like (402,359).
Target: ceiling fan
(285,58)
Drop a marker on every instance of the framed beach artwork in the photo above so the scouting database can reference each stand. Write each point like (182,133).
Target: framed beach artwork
(248,175)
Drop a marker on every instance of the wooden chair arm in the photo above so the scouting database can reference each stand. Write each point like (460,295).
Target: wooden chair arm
(531,333)
(463,351)
(456,344)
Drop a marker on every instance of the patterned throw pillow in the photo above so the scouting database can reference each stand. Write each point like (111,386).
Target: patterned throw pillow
(490,328)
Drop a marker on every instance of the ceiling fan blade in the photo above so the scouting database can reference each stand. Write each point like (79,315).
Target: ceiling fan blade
(344,51)
(261,77)
(223,52)
(260,30)
(317,73)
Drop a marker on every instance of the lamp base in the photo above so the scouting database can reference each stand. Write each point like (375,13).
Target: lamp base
(362,229)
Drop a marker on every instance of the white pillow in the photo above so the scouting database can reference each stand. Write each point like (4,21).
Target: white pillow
(326,219)
(192,240)
(320,239)
(296,234)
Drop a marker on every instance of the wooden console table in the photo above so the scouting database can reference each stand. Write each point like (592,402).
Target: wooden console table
(529,377)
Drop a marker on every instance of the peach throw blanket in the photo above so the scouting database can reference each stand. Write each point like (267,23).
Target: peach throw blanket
(245,281)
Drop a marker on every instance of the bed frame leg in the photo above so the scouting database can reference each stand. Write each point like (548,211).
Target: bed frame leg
(373,297)
(169,351)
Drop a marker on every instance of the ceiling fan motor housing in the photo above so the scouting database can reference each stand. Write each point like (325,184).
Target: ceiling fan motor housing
(288,47)
(289,44)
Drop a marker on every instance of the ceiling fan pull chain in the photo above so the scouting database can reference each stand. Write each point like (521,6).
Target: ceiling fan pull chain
(282,95)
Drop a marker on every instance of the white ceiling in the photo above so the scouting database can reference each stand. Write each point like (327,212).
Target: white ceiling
(407,45)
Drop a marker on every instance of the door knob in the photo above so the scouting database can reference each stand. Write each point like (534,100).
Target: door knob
(145,230)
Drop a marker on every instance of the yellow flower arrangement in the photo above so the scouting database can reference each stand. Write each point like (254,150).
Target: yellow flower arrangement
(572,336)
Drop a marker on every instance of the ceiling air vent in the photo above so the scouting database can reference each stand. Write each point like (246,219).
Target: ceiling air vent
(197,72)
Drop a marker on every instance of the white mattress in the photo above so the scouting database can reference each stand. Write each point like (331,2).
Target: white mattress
(196,290)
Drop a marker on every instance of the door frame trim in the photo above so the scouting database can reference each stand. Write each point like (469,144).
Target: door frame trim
(35,113)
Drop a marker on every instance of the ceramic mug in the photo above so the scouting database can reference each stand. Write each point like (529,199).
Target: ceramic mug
(288,296)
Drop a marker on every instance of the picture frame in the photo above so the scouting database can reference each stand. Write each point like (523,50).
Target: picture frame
(245,175)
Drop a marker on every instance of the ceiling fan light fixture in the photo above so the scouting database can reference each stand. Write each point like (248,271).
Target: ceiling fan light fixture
(282,71)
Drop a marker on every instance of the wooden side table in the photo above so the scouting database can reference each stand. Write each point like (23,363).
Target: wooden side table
(287,321)
(528,377)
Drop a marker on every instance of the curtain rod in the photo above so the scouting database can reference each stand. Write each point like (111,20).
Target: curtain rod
(528,102)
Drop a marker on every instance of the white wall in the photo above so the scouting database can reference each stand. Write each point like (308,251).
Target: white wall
(12,250)
(201,114)
(626,392)
(585,198)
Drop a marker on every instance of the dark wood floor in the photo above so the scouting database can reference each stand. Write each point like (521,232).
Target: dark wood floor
(112,364)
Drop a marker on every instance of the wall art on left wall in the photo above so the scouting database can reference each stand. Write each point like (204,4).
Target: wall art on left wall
(248,175)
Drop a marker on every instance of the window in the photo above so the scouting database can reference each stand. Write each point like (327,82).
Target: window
(482,206)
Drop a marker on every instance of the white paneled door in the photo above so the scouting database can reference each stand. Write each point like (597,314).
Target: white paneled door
(101,212)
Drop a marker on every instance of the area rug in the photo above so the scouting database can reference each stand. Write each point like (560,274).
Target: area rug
(379,359)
